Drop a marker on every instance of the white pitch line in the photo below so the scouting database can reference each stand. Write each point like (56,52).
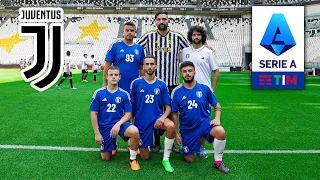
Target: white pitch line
(57,148)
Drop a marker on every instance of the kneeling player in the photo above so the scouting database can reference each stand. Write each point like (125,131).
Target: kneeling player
(148,95)
(192,99)
(110,112)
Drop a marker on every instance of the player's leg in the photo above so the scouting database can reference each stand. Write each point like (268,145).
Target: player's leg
(108,144)
(106,156)
(219,144)
(169,127)
(83,72)
(157,147)
(71,83)
(144,153)
(85,75)
(202,153)
(61,81)
(127,130)
(94,76)
(217,136)
(190,145)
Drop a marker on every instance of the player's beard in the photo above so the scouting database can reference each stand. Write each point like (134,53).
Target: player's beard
(162,27)
(150,72)
(196,41)
(189,81)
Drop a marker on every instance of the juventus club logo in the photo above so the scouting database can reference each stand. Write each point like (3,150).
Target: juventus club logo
(33,22)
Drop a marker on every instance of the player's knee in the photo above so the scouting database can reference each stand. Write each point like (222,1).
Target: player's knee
(189,159)
(219,133)
(134,132)
(171,127)
(145,156)
(105,157)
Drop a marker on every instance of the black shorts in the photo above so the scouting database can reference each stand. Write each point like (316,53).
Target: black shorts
(95,71)
(67,75)
(84,71)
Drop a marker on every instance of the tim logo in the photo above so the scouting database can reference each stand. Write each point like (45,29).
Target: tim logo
(278,37)
(277,80)
(44,72)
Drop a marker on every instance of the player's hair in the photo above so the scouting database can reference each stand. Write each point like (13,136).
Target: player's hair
(113,68)
(160,12)
(130,24)
(152,57)
(185,64)
(199,29)
(92,56)
(85,54)
(68,53)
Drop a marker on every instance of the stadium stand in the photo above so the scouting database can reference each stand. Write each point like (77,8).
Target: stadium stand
(230,35)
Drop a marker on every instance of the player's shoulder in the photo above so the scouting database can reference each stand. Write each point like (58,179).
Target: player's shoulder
(204,86)
(161,82)
(123,92)
(176,32)
(137,80)
(186,49)
(98,91)
(149,32)
(176,90)
(115,43)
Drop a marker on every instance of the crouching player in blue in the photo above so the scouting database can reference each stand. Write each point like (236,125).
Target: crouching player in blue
(192,99)
(148,96)
(110,112)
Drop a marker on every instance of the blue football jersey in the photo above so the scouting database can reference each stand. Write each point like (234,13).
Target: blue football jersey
(127,59)
(193,105)
(148,100)
(110,106)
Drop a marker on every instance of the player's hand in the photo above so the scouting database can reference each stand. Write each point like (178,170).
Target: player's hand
(211,48)
(114,131)
(215,122)
(159,123)
(99,139)
(178,139)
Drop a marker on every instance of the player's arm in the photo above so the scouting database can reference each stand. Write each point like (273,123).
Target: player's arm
(115,129)
(174,117)
(105,70)
(94,121)
(215,69)
(160,121)
(215,79)
(217,115)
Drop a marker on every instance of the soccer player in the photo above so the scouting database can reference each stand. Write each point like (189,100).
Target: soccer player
(67,72)
(126,55)
(149,95)
(110,112)
(95,67)
(21,64)
(84,68)
(165,44)
(201,56)
(204,62)
(192,99)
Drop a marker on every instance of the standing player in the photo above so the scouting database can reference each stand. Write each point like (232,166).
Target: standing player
(201,56)
(21,64)
(67,72)
(84,68)
(110,112)
(95,68)
(204,62)
(126,55)
(149,95)
(192,99)
(164,44)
